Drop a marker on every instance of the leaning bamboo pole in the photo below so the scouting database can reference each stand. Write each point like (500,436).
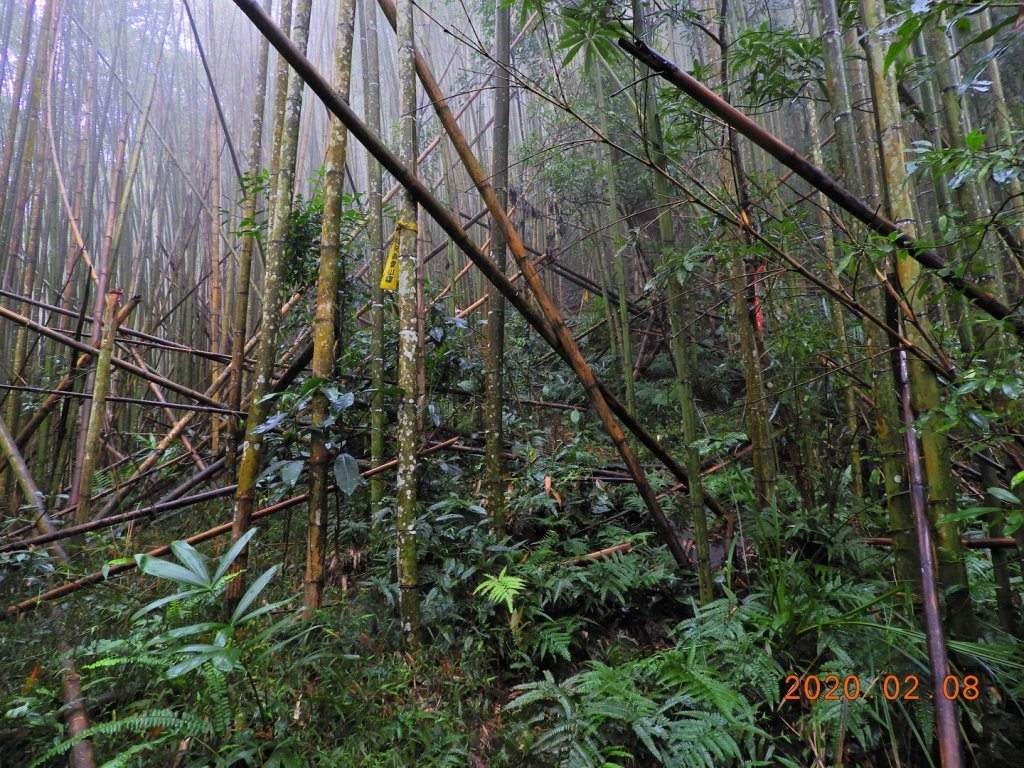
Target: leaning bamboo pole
(82,756)
(28,486)
(94,438)
(94,578)
(947,723)
(817,178)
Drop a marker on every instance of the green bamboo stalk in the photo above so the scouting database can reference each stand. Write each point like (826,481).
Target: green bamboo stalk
(240,314)
(371,87)
(494,400)
(101,385)
(924,386)
(266,353)
(325,317)
(681,351)
(409,351)
(618,253)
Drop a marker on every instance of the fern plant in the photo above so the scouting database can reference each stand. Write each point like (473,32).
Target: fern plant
(633,712)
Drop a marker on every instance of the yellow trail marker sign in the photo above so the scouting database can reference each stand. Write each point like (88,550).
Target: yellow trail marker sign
(389,280)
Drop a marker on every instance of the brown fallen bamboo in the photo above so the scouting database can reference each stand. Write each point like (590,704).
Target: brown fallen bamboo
(126,485)
(61,393)
(76,720)
(165,406)
(28,486)
(1003,542)
(48,405)
(123,365)
(607,551)
(114,570)
(124,517)
(449,224)
(93,578)
(124,334)
(821,181)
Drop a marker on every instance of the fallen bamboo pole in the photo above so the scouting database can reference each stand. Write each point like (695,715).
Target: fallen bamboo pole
(118,399)
(1003,542)
(947,727)
(93,578)
(98,576)
(592,556)
(154,341)
(87,349)
(550,317)
(124,517)
(28,487)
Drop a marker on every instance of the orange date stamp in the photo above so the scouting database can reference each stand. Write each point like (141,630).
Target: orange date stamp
(888,687)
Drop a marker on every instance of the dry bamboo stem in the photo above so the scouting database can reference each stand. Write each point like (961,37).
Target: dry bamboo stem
(28,487)
(98,576)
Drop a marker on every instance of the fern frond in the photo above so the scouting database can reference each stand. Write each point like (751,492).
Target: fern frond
(165,719)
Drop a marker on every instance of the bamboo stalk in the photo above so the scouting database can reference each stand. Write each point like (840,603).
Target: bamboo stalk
(325,318)
(98,576)
(81,497)
(106,522)
(28,487)
(946,721)
(76,720)
(552,316)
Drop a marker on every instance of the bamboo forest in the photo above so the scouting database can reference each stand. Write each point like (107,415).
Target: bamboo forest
(500,383)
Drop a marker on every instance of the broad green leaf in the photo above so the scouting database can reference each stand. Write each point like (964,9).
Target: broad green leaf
(165,600)
(252,593)
(1003,495)
(179,632)
(120,561)
(290,472)
(185,666)
(346,473)
(229,557)
(162,569)
(192,559)
(340,400)
(971,513)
